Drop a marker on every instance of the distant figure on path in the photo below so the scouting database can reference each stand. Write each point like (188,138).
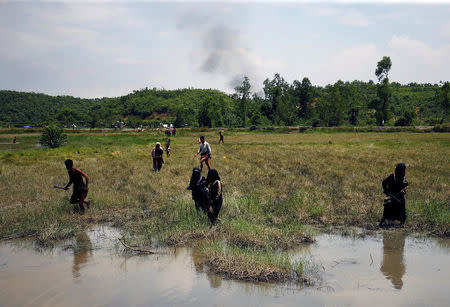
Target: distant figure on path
(80,189)
(174,131)
(168,150)
(157,155)
(15,140)
(394,186)
(215,195)
(221,137)
(205,153)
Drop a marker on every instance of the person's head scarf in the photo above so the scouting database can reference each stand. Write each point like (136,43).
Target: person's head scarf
(213,175)
(400,171)
(158,145)
(195,177)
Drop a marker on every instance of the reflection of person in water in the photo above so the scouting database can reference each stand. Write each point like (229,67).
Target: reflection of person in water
(81,253)
(393,266)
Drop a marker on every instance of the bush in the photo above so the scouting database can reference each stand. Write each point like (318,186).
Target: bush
(52,136)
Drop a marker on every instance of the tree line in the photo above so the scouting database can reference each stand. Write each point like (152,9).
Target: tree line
(279,103)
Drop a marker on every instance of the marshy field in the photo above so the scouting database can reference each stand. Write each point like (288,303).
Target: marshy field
(280,191)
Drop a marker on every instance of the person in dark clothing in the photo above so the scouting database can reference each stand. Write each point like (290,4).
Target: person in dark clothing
(221,137)
(215,195)
(197,185)
(80,189)
(394,186)
(168,150)
(157,155)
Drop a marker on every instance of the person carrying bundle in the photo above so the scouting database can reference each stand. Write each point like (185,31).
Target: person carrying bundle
(205,153)
(394,186)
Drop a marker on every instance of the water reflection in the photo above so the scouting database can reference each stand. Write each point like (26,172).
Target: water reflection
(393,265)
(81,253)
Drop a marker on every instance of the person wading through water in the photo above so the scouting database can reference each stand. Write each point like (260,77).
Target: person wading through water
(157,155)
(205,153)
(215,195)
(80,189)
(394,186)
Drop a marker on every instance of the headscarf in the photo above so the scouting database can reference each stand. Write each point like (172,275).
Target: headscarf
(399,172)
(213,175)
(158,143)
(196,177)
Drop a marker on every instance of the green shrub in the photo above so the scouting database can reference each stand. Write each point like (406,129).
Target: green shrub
(52,136)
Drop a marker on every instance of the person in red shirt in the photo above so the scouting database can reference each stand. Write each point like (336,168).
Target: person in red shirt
(80,188)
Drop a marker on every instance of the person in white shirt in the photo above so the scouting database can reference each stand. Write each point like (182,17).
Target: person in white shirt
(205,153)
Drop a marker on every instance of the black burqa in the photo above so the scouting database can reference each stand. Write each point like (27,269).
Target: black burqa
(197,185)
(395,204)
(215,194)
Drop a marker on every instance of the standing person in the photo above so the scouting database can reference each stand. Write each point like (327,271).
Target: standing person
(221,137)
(167,145)
(205,153)
(174,131)
(157,155)
(80,189)
(394,186)
(15,140)
(215,195)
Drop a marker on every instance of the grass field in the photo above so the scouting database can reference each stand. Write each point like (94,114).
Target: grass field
(275,185)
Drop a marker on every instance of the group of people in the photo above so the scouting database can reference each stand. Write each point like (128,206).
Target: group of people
(207,192)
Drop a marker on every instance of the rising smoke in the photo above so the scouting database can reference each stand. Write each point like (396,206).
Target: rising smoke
(221,48)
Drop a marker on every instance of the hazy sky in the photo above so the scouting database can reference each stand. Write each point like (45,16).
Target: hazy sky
(109,48)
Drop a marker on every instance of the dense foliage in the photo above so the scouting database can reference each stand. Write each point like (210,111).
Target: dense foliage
(52,136)
(354,103)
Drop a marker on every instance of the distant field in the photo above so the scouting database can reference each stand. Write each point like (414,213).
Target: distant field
(274,185)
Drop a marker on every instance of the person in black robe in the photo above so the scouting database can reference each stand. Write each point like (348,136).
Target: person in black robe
(157,155)
(215,195)
(197,185)
(394,186)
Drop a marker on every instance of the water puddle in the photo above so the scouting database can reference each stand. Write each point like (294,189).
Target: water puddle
(92,270)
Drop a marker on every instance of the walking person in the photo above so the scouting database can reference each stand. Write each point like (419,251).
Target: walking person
(205,153)
(215,195)
(168,150)
(157,155)
(394,186)
(221,137)
(80,188)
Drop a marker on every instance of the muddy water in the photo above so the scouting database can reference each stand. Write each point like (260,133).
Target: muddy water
(389,269)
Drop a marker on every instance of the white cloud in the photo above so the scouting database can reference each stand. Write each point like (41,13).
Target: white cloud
(354,63)
(445,30)
(353,17)
(415,61)
(343,15)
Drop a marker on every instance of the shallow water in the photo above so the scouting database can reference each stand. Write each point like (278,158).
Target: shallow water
(389,269)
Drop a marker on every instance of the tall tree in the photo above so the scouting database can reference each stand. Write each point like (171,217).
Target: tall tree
(384,91)
(302,96)
(444,100)
(273,91)
(243,94)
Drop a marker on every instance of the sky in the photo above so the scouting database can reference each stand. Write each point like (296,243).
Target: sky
(110,48)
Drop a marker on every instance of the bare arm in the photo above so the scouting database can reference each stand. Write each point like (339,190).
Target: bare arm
(86,177)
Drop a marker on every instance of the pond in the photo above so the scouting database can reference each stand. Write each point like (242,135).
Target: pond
(387,268)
